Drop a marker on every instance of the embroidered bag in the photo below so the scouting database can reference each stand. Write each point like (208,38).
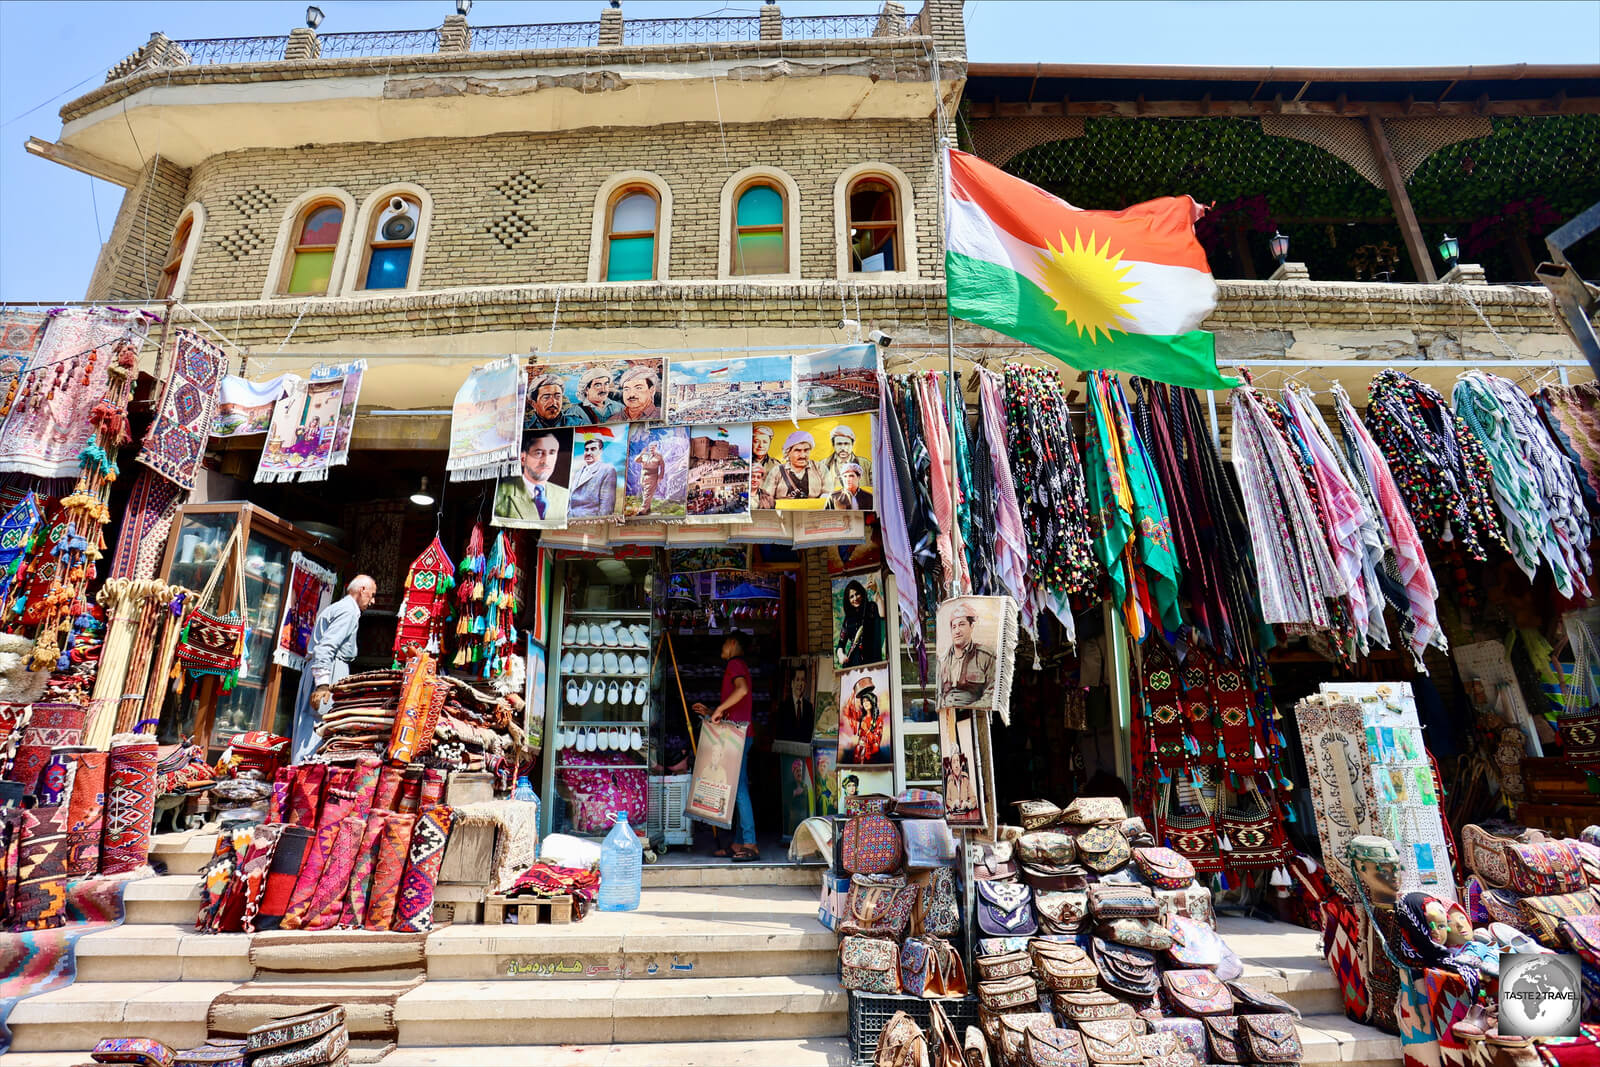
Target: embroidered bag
(1580,737)
(1191,1034)
(1037,814)
(919,804)
(1544,915)
(901,1044)
(1543,869)
(916,965)
(1589,856)
(1157,1044)
(1045,848)
(1140,933)
(1252,830)
(1111,1042)
(1222,1031)
(1005,965)
(294,1029)
(1197,992)
(1014,1029)
(999,946)
(1123,969)
(1005,909)
(1138,834)
(868,804)
(216,1052)
(1061,912)
(1270,1038)
(1107,902)
(935,911)
(869,964)
(1053,1046)
(1192,903)
(1064,967)
(1582,932)
(212,643)
(952,973)
(1103,848)
(1485,856)
(946,1045)
(1187,826)
(975,1049)
(927,843)
(1008,994)
(1250,1000)
(878,905)
(1164,868)
(1094,811)
(992,861)
(870,844)
(142,1050)
(1066,878)
(1193,944)
(1505,906)
(1092,1005)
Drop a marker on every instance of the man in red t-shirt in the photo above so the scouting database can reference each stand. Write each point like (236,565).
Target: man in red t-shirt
(735,706)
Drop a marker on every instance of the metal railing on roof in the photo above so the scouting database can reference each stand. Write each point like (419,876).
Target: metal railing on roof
(378,43)
(536,36)
(709,30)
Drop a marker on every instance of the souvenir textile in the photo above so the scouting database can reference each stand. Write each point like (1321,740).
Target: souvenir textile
(175,445)
(977,640)
(1270,1039)
(414,906)
(146,1051)
(20,332)
(487,606)
(51,421)
(300,437)
(212,643)
(39,895)
(936,910)
(244,408)
(295,1029)
(130,803)
(146,524)
(19,532)
(1572,415)
(869,964)
(1339,765)
(349,376)
(85,815)
(871,844)
(486,422)
(1005,909)
(309,591)
(1014,1029)
(426,603)
(393,848)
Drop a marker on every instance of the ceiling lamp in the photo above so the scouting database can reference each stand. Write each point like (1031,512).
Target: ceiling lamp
(422,498)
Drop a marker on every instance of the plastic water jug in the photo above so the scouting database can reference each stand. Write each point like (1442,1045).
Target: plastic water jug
(524,790)
(620,875)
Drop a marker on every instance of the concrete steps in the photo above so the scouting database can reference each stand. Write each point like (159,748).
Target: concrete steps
(78,1016)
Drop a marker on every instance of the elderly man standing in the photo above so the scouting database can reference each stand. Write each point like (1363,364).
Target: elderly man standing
(798,478)
(843,440)
(333,646)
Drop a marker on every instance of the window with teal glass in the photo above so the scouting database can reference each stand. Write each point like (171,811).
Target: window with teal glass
(631,235)
(311,261)
(394,235)
(760,231)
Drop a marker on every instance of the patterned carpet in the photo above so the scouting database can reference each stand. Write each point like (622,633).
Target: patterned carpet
(39,961)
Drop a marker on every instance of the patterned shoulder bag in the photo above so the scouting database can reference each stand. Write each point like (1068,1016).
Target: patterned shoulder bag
(211,643)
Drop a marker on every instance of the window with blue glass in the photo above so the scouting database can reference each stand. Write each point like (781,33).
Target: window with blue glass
(760,230)
(394,237)
(631,235)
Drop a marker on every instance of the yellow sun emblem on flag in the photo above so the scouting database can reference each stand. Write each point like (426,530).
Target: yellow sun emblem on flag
(1087,283)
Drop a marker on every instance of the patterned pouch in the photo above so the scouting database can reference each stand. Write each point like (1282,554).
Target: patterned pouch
(1014,1029)
(1164,868)
(1053,1046)
(1223,1033)
(1008,994)
(1582,932)
(1140,933)
(870,844)
(1485,856)
(915,963)
(1008,965)
(1197,993)
(1065,968)
(1103,848)
(1005,909)
(1111,1042)
(1191,1035)
(869,964)
(1546,914)
(936,911)
(1249,1000)
(1045,848)
(146,1051)
(1270,1038)
(1061,912)
(1193,903)
(1193,944)
(928,843)
(1108,902)
(1543,868)
(1126,970)
(1094,811)
(1091,1006)
(878,905)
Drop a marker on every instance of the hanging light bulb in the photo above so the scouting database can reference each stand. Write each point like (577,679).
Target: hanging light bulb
(422,498)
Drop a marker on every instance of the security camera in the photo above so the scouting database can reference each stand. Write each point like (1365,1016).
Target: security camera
(850,324)
(881,339)
(397,204)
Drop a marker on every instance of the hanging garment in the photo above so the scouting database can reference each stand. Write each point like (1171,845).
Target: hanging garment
(1111,502)
(936,434)
(1010,543)
(1153,528)
(922,523)
(176,442)
(1572,415)
(975,468)
(888,457)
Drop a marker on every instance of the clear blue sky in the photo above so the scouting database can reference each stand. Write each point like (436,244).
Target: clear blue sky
(52,220)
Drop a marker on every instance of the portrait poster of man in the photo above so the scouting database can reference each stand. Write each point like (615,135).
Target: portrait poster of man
(755,388)
(824,761)
(595,486)
(960,766)
(819,463)
(594,393)
(795,786)
(719,473)
(825,697)
(865,717)
(859,634)
(657,477)
(977,637)
(536,497)
(836,381)
(716,772)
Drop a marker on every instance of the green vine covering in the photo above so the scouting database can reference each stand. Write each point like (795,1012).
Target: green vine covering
(1492,193)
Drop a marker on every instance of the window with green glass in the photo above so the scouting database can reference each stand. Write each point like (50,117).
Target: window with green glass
(760,233)
(631,236)
(311,261)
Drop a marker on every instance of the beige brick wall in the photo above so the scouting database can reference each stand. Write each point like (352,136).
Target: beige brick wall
(545,185)
(130,263)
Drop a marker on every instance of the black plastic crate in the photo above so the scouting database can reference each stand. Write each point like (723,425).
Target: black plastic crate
(871,1012)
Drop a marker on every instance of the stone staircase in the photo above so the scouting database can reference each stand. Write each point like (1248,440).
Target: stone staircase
(721,965)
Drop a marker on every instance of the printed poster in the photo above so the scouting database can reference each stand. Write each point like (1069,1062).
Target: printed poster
(595,393)
(745,389)
(536,497)
(716,772)
(818,464)
(719,473)
(595,486)
(836,381)
(658,474)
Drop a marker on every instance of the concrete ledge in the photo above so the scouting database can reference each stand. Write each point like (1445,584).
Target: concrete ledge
(80,1015)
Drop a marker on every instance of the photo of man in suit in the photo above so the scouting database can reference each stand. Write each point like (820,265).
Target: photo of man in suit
(594,485)
(533,498)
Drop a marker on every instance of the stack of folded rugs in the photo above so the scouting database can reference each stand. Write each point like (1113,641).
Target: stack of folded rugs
(364,707)
(475,731)
(312,1038)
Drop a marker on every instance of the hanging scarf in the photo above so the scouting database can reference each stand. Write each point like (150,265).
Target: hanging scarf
(1572,415)
(1010,543)
(936,433)
(1110,502)
(922,523)
(1153,528)
(976,469)
(895,518)
(1437,462)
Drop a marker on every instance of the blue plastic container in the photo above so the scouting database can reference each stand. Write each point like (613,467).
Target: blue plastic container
(621,867)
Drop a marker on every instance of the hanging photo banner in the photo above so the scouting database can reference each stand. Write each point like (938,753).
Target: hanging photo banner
(176,442)
(658,474)
(20,332)
(731,390)
(977,642)
(594,487)
(595,393)
(536,497)
(836,381)
(245,407)
(716,773)
(960,765)
(818,464)
(300,439)
(486,422)
(310,590)
(351,373)
(859,635)
(719,474)
(864,717)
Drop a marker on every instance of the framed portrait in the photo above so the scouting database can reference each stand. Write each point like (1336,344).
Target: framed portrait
(595,393)
(818,464)
(594,480)
(866,718)
(824,777)
(836,381)
(658,474)
(825,694)
(970,646)
(795,786)
(960,768)
(745,389)
(859,634)
(860,781)
(536,497)
(719,473)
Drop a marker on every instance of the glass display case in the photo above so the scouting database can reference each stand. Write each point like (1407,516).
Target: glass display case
(264,696)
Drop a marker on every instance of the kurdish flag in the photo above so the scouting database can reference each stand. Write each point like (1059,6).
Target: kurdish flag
(1099,290)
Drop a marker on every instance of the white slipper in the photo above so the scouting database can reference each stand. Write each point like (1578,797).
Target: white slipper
(635,742)
(585,692)
(569,635)
(641,693)
(624,637)
(566,663)
(608,634)
(572,691)
(580,663)
(613,694)
(605,741)
(627,692)
(611,662)
(641,635)
(582,636)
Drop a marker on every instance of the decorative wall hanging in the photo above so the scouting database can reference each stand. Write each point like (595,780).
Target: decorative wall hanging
(176,442)
(130,803)
(750,389)
(427,598)
(657,479)
(51,422)
(487,607)
(351,374)
(19,532)
(300,439)
(486,422)
(719,475)
(20,332)
(977,641)
(244,408)
(146,524)
(310,590)
(1339,765)
(836,381)
(595,393)
(595,484)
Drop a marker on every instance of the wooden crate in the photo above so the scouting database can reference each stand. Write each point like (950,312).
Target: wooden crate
(458,912)
(529,911)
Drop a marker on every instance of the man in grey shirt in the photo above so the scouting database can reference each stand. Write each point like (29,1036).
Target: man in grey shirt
(333,646)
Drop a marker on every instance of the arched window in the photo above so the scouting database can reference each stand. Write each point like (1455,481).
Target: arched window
(173,266)
(874,209)
(631,227)
(316,241)
(760,230)
(392,243)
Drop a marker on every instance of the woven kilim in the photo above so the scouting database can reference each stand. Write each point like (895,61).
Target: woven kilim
(20,332)
(355,903)
(41,899)
(327,903)
(394,846)
(176,443)
(414,907)
(294,842)
(253,871)
(86,813)
(130,803)
(305,794)
(146,524)
(305,886)
(51,726)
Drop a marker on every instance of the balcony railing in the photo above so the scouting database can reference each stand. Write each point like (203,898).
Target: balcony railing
(162,52)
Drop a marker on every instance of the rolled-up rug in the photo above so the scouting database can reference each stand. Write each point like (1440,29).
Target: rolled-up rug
(327,903)
(86,811)
(130,803)
(305,886)
(354,912)
(50,726)
(282,876)
(394,848)
(413,912)
(305,794)
(41,897)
